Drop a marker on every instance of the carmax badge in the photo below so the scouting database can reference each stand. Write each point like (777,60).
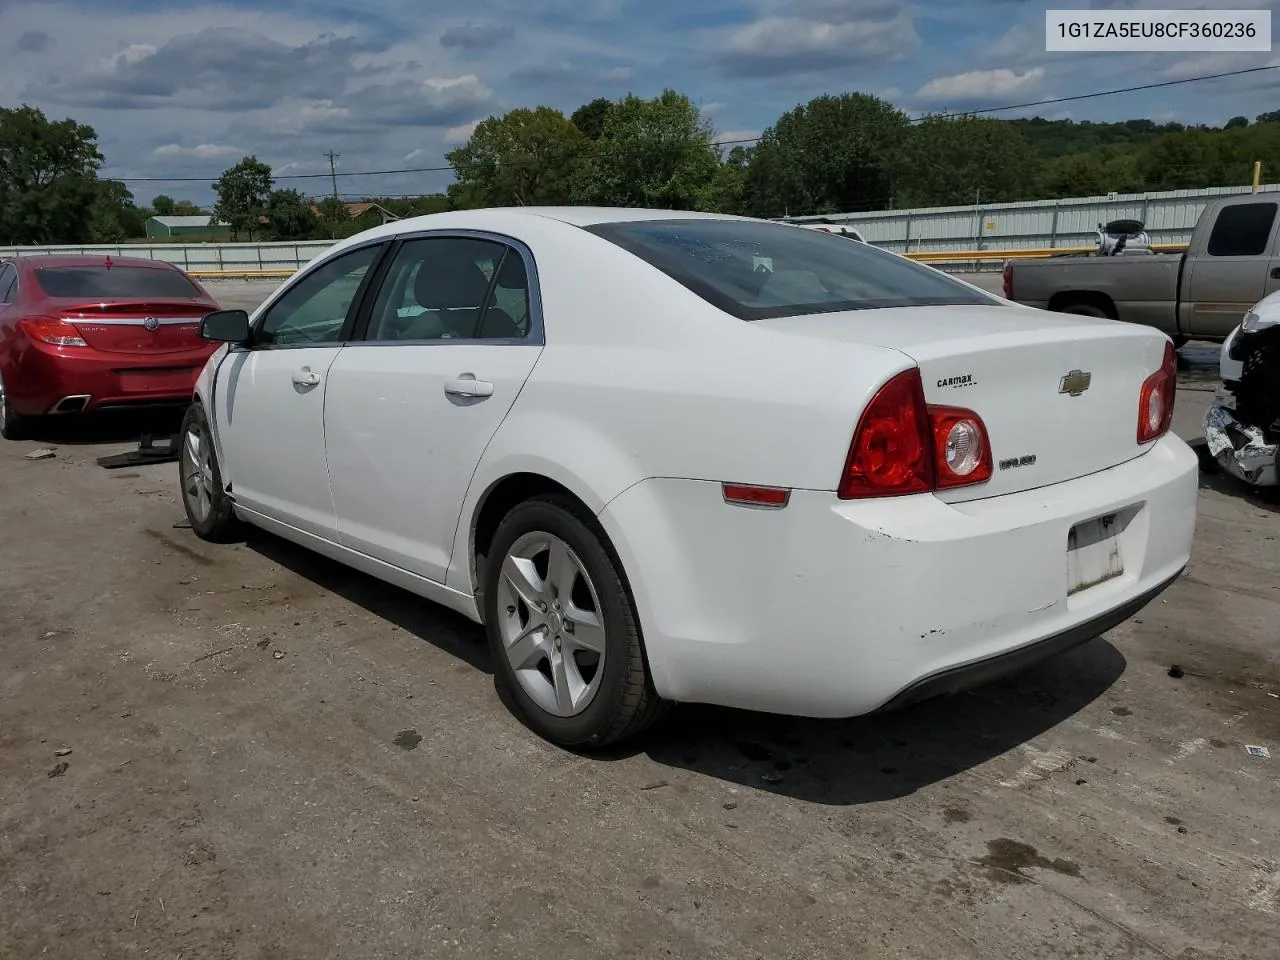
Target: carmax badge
(1075,383)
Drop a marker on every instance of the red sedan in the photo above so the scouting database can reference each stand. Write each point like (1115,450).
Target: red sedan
(84,333)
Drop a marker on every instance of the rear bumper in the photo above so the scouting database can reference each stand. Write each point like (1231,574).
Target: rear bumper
(831,608)
(44,377)
(957,679)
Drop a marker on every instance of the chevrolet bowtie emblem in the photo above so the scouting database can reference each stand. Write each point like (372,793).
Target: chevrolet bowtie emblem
(1075,383)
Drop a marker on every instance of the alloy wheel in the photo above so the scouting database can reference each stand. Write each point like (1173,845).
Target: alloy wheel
(197,472)
(551,623)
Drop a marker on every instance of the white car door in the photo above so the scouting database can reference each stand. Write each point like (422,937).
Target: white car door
(414,399)
(270,396)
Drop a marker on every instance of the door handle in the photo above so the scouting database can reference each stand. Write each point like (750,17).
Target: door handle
(468,386)
(306,377)
(1275,273)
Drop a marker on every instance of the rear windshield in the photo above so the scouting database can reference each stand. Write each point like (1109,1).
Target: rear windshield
(756,271)
(114,282)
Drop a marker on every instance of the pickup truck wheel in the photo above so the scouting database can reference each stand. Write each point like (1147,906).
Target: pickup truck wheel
(1085,310)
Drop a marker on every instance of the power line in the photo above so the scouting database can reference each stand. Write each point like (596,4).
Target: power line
(725,143)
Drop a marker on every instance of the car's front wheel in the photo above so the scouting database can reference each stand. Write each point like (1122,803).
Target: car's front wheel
(562,627)
(209,509)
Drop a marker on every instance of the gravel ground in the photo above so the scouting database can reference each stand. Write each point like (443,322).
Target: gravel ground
(247,751)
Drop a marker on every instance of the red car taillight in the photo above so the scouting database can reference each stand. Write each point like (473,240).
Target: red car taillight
(902,445)
(1008,281)
(59,333)
(1155,402)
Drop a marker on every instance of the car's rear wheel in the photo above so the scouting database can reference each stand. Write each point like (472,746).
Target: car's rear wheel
(13,426)
(562,627)
(209,509)
(1086,310)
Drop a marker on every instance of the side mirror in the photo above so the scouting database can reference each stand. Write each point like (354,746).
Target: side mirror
(226,326)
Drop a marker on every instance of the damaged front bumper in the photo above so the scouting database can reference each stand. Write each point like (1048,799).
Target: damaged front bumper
(1241,449)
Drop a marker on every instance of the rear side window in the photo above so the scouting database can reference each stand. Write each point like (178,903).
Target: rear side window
(8,283)
(114,282)
(756,271)
(1242,230)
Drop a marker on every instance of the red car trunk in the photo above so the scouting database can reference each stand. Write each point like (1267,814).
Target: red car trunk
(136,326)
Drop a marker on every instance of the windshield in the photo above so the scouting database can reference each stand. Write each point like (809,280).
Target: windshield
(102,283)
(756,270)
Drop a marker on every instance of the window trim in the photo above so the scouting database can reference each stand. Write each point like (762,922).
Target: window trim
(535,336)
(353,310)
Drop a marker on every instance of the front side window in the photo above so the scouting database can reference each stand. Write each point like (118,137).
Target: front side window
(1242,230)
(314,310)
(452,288)
(756,271)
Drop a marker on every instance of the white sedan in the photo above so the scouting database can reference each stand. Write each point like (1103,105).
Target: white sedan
(673,457)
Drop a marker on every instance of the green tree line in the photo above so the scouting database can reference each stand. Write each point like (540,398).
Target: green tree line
(836,153)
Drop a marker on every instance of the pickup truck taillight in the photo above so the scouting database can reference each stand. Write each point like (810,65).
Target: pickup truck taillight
(903,445)
(1155,402)
(1008,281)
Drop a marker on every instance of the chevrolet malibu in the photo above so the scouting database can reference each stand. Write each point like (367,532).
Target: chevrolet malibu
(673,457)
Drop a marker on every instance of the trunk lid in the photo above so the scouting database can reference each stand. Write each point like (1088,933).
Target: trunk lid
(146,327)
(1058,393)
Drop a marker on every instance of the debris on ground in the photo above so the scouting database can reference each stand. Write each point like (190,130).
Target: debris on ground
(59,770)
(62,752)
(1256,751)
(278,654)
(1176,672)
(44,453)
(1241,449)
(656,785)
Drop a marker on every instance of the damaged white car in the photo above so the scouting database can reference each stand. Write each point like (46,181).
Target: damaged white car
(1242,425)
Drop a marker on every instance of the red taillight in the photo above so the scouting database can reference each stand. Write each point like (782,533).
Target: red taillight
(58,333)
(1155,402)
(902,445)
(891,453)
(1008,281)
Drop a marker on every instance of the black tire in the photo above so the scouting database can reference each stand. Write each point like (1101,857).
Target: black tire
(219,525)
(1085,310)
(13,425)
(625,702)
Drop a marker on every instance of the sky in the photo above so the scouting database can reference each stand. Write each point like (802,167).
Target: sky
(185,88)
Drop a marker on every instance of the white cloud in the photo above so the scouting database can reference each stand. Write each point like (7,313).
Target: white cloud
(204,151)
(980,85)
(793,45)
(459,134)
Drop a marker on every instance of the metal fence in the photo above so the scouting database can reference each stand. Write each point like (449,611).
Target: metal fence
(1170,218)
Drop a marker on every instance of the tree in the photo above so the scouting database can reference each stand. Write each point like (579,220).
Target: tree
(1235,122)
(951,161)
(523,157)
(290,217)
(1272,116)
(724,193)
(48,178)
(113,216)
(243,191)
(651,153)
(590,117)
(833,154)
(163,205)
(185,208)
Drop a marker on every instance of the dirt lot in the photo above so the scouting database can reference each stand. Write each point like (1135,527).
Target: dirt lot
(274,757)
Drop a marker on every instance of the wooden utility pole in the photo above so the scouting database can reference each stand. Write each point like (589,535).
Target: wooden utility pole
(333,173)
(1257,175)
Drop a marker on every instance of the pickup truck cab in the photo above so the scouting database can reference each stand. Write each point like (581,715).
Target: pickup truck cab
(1232,262)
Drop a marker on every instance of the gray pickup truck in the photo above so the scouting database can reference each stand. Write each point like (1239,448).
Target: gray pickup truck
(1233,261)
